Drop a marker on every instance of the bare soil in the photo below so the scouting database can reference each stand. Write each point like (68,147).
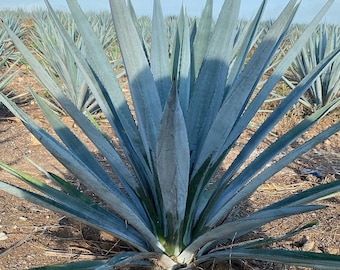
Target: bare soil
(31,236)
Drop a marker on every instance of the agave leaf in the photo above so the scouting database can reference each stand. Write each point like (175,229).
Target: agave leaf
(173,162)
(229,197)
(81,210)
(235,101)
(5,76)
(119,261)
(60,152)
(79,118)
(68,188)
(243,45)
(146,101)
(204,104)
(275,76)
(291,99)
(42,74)
(307,196)
(77,167)
(241,226)
(58,60)
(138,28)
(248,189)
(265,128)
(6,80)
(143,89)
(258,214)
(213,151)
(325,88)
(124,129)
(80,151)
(112,102)
(85,265)
(181,60)
(65,186)
(213,74)
(122,260)
(167,198)
(202,38)
(138,260)
(160,66)
(72,163)
(258,242)
(114,108)
(296,258)
(285,105)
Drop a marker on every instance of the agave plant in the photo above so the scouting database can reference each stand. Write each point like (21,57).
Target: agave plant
(7,75)
(58,59)
(6,46)
(326,87)
(9,57)
(189,110)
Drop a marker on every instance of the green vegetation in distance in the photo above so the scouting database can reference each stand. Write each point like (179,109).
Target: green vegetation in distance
(189,110)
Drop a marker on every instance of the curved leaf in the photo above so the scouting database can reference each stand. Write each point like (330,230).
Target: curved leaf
(288,257)
(160,66)
(173,162)
(239,227)
(143,89)
(205,103)
(91,214)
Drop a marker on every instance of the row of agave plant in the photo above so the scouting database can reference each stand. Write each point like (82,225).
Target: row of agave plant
(9,56)
(193,96)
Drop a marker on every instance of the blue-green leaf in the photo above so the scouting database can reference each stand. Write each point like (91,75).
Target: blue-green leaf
(143,89)
(173,162)
(202,38)
(241,226)
(115,109)
(208,92)
(232,194)
(160,65)
(239,94)
(289,257)
(83,171)
(80,151)
(58,201)
(181,61)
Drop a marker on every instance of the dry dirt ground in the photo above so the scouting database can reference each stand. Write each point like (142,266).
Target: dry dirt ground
(31,236)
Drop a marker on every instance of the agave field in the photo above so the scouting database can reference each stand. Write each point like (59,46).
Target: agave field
(169,142)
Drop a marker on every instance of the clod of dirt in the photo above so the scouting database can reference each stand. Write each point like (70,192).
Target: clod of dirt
(3,236)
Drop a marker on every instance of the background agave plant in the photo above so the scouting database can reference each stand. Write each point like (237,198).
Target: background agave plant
(59,61)
(191,104)
(326,87)
(6,45)
(7,75)
(9,56)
